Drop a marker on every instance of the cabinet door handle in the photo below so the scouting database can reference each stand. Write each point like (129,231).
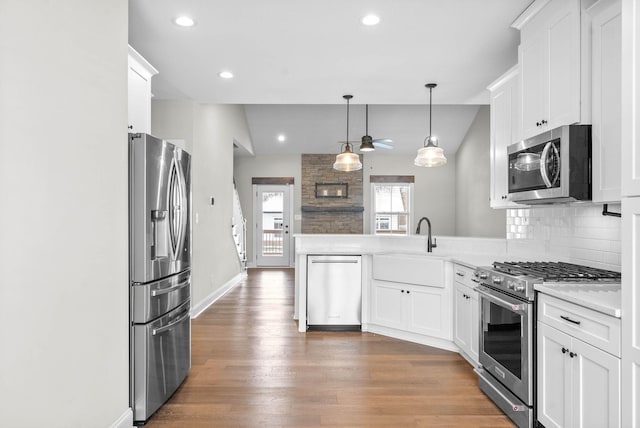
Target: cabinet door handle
(544,122)
(573,354)
(408,291)
(564,350)
(570,320)
(459,273)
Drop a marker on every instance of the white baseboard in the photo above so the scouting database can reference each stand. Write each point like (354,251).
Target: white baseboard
(435,342)
(211,298)
(125,420)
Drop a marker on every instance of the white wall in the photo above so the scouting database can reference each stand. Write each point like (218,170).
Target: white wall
(63,213)
(247,167)
(434,189)
(209,131)
(474,216)
(174,120)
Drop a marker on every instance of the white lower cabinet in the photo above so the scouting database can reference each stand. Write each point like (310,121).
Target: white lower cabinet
(389,303)
(578,384)
(466,328)
(412,308)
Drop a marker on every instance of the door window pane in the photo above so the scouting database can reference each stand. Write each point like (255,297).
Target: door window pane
(272,213)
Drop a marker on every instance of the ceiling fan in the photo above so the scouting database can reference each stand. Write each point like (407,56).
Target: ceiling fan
(368,144)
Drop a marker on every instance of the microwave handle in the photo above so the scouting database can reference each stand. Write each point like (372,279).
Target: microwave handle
(543,165)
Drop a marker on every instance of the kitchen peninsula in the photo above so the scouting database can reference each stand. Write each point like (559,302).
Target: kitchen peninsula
(398,276)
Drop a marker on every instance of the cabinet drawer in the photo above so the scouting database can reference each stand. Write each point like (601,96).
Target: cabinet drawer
(595,328)
(463,275)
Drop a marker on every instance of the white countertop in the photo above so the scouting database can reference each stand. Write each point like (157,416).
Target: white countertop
(471,252)
(472,261)
(605,298)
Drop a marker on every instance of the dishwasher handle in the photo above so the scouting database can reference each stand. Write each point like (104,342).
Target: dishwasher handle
(334,261)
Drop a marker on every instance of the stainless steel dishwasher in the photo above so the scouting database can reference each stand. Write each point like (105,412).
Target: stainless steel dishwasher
(334,292)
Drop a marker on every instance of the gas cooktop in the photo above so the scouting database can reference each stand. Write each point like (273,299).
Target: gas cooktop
(557,271)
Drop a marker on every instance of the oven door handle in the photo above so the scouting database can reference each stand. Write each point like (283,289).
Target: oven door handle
(516,307)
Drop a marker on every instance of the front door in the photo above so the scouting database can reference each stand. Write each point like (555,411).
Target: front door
(272,237)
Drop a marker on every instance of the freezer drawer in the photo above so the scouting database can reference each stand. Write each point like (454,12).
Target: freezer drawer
(162,360)
(156,298)
(334,290)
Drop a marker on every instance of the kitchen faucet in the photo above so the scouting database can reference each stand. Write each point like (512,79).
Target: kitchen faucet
(430,245)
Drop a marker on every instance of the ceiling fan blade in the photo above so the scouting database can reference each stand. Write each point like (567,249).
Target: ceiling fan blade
(383,143)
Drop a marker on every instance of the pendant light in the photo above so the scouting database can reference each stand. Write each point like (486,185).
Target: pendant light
(347,160)
(367,141)
(430,154)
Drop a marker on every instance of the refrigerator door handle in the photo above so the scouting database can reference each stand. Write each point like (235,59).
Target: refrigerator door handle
(177,208)
(167,290)
(185,207)
(159,244)
(156,331)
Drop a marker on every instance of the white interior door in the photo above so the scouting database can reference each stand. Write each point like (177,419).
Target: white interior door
(272,219)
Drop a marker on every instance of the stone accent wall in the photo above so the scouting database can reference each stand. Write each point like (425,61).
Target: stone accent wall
(332,222)
(330,215)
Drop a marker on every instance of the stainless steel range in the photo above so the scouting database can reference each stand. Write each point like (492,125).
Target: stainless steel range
(508,328)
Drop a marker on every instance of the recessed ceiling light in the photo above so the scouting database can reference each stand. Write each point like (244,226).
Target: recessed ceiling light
(281,138)
(185,21)
(226,74)
(371,19)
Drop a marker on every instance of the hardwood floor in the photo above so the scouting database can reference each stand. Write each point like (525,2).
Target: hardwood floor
(252,368)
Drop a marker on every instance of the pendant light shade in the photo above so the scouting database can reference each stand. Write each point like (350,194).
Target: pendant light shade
(347,160)
(430,154)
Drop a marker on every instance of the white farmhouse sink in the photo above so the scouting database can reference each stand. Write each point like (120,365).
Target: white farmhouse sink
(419,269)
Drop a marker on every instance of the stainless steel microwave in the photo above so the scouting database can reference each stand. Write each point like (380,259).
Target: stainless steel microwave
(551,167)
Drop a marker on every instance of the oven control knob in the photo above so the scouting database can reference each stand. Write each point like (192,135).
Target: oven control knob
(519,288)
(497,280)
(483,276)
(511,285)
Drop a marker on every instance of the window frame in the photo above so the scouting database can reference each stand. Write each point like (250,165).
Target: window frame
(374,212)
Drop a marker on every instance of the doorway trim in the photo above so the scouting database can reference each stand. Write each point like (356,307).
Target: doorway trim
(287,185)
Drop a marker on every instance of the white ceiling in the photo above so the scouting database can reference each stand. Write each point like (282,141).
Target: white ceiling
(311,52)
(319,128)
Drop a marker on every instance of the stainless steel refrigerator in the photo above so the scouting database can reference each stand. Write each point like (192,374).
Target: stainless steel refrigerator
(159,271)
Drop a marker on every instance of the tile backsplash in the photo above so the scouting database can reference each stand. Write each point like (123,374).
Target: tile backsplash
(576,233)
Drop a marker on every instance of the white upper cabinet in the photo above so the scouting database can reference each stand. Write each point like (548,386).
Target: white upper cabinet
(549,58)
(505,130)
(139,86)
(630,98)
(606,26)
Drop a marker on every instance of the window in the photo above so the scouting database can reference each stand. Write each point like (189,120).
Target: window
(391,206)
